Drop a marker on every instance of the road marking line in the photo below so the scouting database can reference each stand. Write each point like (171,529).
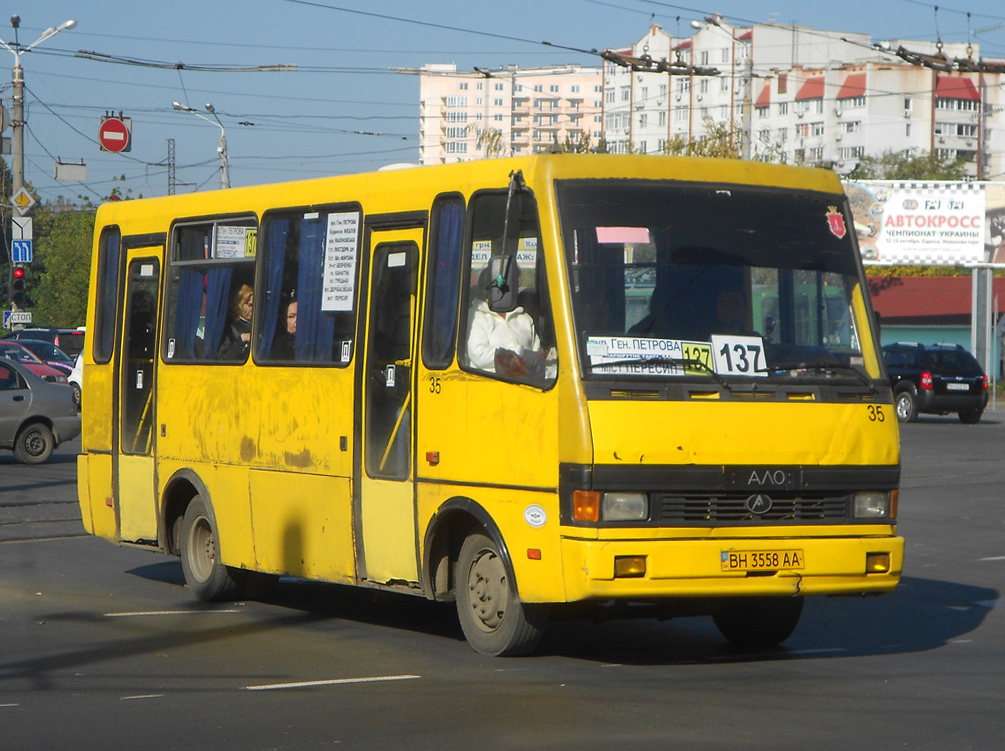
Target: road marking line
(9,705)
(993,558)
(142,696)
(168,612)
(823,651)
(332,682)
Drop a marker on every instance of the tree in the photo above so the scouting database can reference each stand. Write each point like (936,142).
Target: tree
(719,140)
(910,164)
(59,275)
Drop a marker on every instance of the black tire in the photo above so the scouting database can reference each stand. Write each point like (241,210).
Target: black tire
(492,617)
(906,406)
(205,575)
(971,416)
(759,622)
(34,444)
(76,391)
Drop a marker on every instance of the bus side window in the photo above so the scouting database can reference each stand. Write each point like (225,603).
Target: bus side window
(306,306)
(503,337)
(210,263)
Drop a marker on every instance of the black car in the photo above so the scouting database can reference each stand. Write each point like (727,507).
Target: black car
(71,341)
(935,379)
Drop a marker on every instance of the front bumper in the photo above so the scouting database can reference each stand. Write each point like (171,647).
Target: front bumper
(693,568)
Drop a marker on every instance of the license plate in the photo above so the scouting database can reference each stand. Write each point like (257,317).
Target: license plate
(762,560)
(958,387)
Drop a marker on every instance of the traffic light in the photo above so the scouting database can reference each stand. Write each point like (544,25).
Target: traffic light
(17,293)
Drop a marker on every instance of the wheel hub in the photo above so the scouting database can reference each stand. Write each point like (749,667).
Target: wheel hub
(488,590)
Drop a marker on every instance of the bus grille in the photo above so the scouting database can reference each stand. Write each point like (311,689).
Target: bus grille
(703,510)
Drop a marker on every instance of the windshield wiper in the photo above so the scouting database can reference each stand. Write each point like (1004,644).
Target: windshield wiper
(661,359)
(821,366)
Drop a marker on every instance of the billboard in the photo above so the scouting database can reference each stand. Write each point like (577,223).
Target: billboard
(929,223)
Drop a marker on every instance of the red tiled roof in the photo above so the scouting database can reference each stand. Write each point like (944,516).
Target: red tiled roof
(930,300)
(764,98)
(951,87)
(853,86)
(813,88)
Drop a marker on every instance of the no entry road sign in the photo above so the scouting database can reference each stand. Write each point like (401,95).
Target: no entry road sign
(113,135)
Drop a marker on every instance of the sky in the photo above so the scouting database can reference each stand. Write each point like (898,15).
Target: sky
(345,109)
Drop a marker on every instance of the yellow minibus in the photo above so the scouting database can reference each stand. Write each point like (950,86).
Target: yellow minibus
(513,384)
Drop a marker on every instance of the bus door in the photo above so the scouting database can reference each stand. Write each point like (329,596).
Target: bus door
(134,453)
(386,490)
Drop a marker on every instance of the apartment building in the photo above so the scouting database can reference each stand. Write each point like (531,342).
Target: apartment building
(786,92)
(510,111)
(803,95)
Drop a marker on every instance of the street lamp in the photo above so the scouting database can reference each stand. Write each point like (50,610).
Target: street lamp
(224,163)
(17,112)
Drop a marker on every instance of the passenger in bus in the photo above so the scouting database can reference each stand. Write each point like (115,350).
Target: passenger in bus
(237,339)
(284,347)
(502,337)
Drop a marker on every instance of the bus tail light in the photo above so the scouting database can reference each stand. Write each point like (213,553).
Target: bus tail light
(586,506)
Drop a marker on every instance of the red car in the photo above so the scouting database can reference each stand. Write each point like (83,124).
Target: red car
(19,353)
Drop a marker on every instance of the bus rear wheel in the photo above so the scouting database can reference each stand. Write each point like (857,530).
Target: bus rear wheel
(494,620)
(759,622)
(205,575)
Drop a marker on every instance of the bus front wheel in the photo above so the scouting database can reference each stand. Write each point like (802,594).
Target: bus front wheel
(205,575)
(759,622)
(492,617)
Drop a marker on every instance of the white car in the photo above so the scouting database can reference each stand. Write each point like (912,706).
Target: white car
(76,377)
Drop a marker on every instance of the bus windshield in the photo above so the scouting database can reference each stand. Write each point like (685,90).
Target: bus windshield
(674,280)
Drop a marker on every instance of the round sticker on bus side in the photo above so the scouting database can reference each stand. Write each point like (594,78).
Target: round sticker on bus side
(535,515)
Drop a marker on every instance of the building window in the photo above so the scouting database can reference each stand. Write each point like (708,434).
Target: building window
(817,129)
(783,108)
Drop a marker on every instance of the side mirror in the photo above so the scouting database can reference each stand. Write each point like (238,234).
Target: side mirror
(504,283)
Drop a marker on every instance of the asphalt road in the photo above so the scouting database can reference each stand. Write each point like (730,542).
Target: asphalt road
(102,647)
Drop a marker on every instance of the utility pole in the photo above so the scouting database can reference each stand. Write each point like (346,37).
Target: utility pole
(17,108)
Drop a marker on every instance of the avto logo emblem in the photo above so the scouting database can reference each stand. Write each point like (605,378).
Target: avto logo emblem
(759,504)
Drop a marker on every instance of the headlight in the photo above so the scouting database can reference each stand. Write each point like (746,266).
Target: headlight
(625,507)
(871,505)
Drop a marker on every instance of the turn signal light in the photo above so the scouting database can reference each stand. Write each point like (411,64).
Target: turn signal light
(877,563)
(585,506)
(629,566)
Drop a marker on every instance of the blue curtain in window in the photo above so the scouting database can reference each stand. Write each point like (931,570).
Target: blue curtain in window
(315,329)
(275,257)
(217,294)
(446,279)
(187,308)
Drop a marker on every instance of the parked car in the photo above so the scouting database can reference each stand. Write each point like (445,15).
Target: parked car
(71,341)
(76,377)
(935,379)
(35,415)
(17,351)
(50,354)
